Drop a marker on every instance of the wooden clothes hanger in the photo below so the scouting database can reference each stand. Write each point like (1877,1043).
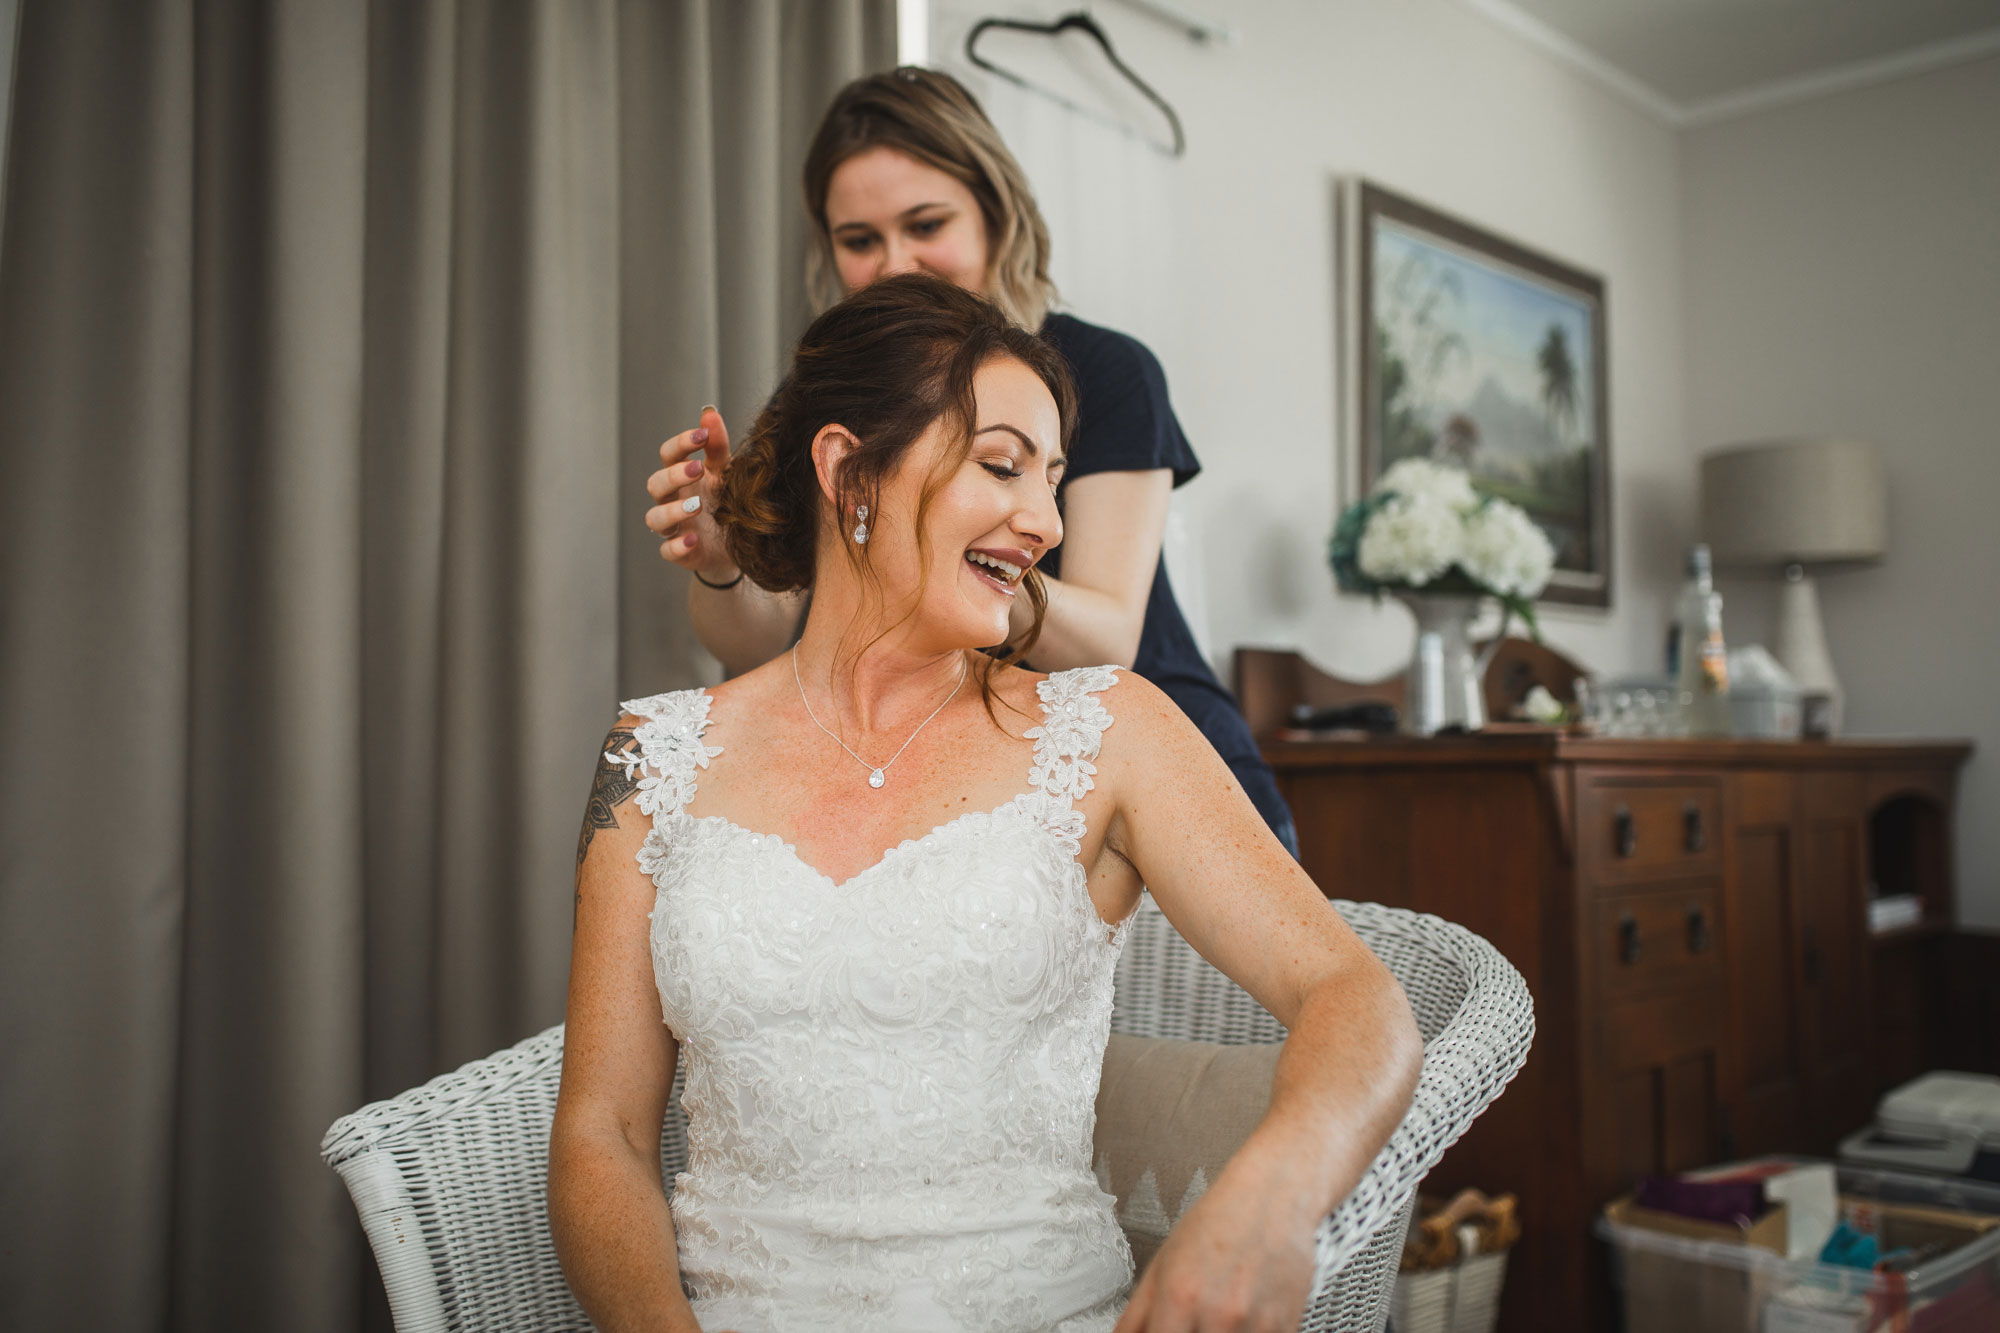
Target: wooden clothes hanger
(1085,24)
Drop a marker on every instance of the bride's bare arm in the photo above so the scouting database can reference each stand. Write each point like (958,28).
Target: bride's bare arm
(607,1206)
(1348,1069)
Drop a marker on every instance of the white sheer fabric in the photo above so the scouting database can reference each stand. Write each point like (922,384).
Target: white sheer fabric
(891,1081)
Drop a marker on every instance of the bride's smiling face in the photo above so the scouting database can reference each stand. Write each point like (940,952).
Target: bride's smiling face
(992,516)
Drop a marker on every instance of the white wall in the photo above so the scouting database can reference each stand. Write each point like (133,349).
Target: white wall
(1224,263)
(1843,276)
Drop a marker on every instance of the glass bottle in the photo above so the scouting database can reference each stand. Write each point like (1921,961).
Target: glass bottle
(1703,667)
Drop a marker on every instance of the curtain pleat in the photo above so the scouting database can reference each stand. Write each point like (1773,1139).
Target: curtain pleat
(95,495)
(336,341)
(274,922)
(412,123)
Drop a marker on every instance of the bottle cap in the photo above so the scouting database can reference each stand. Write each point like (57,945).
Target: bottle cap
(1699,566)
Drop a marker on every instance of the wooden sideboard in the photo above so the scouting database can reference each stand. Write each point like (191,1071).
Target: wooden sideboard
(1692,920)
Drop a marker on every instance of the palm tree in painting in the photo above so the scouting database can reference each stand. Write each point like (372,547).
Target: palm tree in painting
(1558,380)
(1457,442)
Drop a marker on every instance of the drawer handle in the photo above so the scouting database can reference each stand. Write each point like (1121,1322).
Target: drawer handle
(1811,961)
(1625,831)
(1694,836)
(1698,936)
(1628,939)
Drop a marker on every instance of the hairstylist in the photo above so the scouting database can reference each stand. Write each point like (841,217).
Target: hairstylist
(907,173)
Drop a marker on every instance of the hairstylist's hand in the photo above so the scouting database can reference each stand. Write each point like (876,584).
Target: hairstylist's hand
(1232,1263)
(683,493)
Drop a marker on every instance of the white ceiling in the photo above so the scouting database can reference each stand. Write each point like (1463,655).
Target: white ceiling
(1697,60)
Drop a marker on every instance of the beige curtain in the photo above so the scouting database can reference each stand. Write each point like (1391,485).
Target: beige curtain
(336,340)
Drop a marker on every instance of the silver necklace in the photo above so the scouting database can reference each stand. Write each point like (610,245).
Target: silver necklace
(877,775)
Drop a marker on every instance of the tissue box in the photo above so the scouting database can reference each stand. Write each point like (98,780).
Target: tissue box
(1764,712)
(1765,703)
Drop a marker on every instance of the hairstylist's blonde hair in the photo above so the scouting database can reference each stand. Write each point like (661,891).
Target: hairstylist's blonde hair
(931,117)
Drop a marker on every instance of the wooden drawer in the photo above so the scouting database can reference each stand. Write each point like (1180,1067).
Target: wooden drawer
(1660,984)
(1634,830)
(1665,939)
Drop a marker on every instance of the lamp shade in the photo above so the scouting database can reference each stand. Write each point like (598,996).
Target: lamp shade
(1784,502)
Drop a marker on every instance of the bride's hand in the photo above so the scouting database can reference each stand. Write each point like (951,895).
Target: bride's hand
(1233,1263)
(691,468)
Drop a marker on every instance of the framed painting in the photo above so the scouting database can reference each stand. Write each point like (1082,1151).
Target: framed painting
(1479,352)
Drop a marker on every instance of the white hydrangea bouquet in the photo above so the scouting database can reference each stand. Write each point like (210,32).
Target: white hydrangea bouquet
(1423,530)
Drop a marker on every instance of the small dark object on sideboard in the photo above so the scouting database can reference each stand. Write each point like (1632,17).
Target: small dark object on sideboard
(1370,715)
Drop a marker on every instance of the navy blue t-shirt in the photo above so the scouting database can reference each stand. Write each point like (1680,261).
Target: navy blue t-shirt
(1126,424)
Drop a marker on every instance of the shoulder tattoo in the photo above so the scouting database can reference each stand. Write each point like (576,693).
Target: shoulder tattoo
(609,787)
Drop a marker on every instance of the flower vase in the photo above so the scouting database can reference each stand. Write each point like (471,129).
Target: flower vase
(1446,688)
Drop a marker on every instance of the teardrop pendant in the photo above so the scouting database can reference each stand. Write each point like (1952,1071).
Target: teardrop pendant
(860,534)
(875,779)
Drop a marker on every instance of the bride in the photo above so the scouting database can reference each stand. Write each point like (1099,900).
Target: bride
(892,1056)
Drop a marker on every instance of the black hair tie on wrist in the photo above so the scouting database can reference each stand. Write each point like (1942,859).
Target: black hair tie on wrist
(719,587)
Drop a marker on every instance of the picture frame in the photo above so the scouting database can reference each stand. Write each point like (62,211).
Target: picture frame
(1467,347)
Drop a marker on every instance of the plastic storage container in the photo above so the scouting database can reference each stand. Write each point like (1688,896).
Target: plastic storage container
(1673,1284)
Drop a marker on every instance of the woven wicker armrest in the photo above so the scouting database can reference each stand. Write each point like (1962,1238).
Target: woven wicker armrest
(451,1184)
(379,1125)
(487,1120)
(1477,1022)
(1467,1063)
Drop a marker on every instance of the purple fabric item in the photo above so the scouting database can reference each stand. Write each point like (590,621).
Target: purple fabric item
(1728,1202)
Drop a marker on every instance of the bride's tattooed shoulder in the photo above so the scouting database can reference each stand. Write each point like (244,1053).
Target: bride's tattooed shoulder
(609,787)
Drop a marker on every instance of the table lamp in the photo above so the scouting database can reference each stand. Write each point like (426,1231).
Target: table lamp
(1800,506)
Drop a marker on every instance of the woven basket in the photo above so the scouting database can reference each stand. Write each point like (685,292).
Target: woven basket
(1464,1298)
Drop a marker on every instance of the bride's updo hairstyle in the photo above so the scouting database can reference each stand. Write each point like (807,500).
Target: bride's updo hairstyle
(885,364)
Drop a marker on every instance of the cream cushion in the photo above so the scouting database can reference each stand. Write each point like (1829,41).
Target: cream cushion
(1169,1114)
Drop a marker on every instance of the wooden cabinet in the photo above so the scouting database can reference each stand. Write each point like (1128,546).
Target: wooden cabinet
(1831,960)
(1692,919)
(1760,858)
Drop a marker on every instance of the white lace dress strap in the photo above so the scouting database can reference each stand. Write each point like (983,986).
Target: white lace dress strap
(1072,732)
(668,751)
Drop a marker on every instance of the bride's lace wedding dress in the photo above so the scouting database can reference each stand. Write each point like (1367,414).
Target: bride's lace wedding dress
(890,1081)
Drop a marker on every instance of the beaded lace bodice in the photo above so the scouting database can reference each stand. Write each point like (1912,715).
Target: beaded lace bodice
(890,1081)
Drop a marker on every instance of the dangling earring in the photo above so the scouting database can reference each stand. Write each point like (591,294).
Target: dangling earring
(861,526)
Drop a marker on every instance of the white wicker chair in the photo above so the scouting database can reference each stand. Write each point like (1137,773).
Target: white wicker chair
(450,1178)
